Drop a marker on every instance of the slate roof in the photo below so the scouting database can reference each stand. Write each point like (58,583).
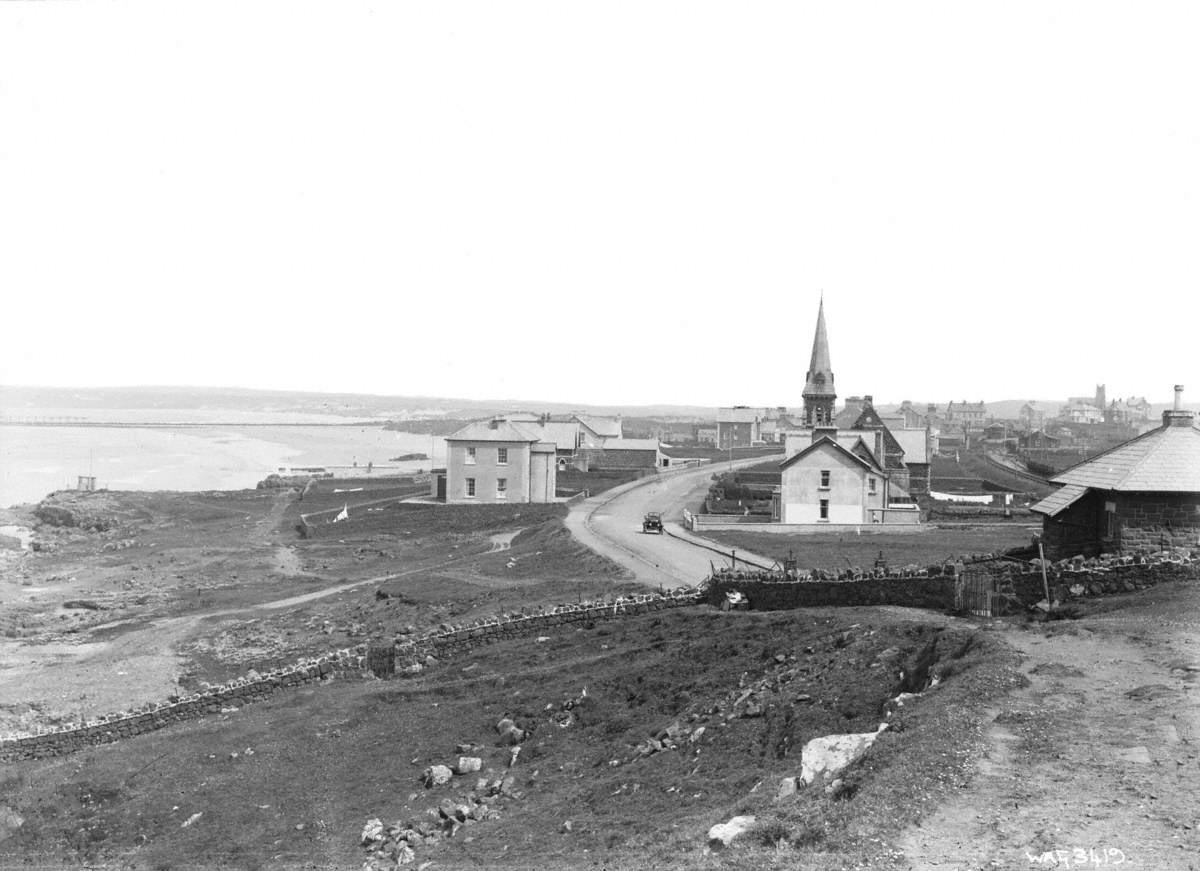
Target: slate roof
(825,440)
(913,442)
(1061,499)
(1164,460)
(601,426)
(505,431)
(738,414)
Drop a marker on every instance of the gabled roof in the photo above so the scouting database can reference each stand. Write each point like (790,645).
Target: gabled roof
(1164,460)
(914,443)
(602,426)
(738,414)
(871,464)
(503,431)
(1060,500)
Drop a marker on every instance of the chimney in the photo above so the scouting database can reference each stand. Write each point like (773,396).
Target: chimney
(1178,416)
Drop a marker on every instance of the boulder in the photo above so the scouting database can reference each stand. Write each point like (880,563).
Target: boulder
(826,758)
(722,834)
(468,764)
(436,775)
(372,832)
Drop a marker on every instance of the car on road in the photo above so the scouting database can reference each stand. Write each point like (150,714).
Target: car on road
(652,522)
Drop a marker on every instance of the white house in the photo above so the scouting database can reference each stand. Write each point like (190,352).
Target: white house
(498,461)
(828,482)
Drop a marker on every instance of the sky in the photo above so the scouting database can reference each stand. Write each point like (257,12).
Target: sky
(609,203)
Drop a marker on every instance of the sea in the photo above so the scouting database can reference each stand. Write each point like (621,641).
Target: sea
(186,451)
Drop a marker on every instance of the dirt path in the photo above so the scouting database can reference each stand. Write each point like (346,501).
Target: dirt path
(1097,761)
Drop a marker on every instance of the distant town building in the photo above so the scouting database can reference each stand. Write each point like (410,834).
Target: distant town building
(498,461)
(1144,493)
(706,434)
(1032,416)
(739,426)
(970,415)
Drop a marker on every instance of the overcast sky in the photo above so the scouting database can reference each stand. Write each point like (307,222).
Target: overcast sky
(602,202)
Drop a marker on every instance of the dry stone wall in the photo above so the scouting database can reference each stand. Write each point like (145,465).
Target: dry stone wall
(1080,578)
(776,591)
(114,727)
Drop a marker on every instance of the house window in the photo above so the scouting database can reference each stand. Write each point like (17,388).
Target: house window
(502,488)
(1110,520)
(470,486)
(470,456)
(871,485)
(824,509)
(825,478)
(502,456)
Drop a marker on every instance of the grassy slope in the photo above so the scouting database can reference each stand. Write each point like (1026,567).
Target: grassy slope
(831,551)
(327,759)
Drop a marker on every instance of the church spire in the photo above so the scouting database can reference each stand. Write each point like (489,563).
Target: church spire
(819,393)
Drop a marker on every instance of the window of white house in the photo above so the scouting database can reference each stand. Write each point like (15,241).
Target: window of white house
(824,477)
(824,509)
(470,456)
(870,485)
(502,456)
(470,486)
(502,488)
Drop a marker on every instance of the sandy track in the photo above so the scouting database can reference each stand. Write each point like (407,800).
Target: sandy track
(1099,754)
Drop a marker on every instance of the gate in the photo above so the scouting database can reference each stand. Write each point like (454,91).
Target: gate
(975,592)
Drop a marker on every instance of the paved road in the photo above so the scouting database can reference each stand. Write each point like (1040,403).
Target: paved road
(611,524)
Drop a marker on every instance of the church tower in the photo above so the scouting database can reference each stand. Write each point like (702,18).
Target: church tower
(819,394)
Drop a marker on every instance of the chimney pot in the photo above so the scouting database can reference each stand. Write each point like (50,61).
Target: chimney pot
(1179,397)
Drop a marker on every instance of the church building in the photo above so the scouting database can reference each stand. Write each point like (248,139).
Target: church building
(851,476)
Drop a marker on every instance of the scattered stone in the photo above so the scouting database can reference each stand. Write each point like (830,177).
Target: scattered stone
(470,764)
(566,827)
(372,832)
(787,788)
(436,775)
(722,834)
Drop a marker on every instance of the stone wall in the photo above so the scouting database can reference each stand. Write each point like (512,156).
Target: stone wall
(772,591)
(1158,520)
(1085,578)
(450,640)
(113,727)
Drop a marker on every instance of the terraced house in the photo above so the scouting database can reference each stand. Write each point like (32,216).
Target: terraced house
(499,460)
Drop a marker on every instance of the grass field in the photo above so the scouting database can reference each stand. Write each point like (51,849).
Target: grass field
(290,783)
(930,546)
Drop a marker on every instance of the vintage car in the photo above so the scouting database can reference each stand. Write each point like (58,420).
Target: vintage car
(653,523)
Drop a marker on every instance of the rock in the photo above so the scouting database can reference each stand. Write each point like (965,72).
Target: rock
(372,832)
(722,834)
(481,785)
(505,725)
(835,786)
(469,764)
(827,757)
(466,749)
(512,756)
(405,855)
(787,788)
(566,827)
(436,775)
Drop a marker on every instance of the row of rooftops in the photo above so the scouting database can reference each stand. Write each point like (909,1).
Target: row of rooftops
(553,432)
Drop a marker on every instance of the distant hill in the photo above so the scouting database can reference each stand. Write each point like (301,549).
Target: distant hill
(354,405)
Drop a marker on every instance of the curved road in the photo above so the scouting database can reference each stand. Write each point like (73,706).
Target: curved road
(610,523)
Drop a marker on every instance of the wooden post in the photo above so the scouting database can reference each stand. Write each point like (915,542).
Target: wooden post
(1045,582)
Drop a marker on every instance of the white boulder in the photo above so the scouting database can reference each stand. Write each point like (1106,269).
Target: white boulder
(722,834)
(437,775)
(827,757)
